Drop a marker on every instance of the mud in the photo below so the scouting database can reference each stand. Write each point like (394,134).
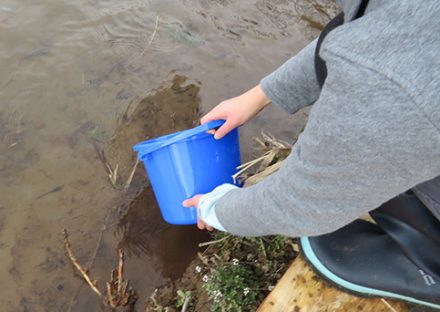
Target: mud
(167,110)
(135,223)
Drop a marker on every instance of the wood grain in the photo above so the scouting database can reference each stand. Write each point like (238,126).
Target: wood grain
(301,290)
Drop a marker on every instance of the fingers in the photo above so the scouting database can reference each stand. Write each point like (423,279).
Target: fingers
(194,202)
(203,226)
(207,118)
(224,129)
(200,224)
(191,202)
(212,115)
(221,111)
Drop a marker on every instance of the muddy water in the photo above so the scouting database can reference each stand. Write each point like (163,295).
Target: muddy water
(87,78)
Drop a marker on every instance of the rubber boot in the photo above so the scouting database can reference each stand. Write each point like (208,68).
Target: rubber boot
(398,257)
(414,228)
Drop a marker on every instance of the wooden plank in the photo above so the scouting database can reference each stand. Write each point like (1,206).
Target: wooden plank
(301,290)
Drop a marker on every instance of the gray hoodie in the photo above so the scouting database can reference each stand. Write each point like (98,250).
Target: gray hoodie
(373,131)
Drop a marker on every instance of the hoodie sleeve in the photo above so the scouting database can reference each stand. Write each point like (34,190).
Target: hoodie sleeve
(294,85)
(358,150)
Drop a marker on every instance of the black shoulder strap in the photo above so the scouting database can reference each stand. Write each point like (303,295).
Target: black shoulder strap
(362,9)
(320,66)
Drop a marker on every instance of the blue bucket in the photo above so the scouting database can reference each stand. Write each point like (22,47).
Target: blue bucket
(186,163)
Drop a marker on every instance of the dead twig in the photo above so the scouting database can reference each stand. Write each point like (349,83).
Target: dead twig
(156,306)
(84,272)
(130,178)
(263,174)
(202,258)
(388,305)
(111,173)
(186,303)
(119,292)
(275,151)
(120,269)
(152,36)
(214,241)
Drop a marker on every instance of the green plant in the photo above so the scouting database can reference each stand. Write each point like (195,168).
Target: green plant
(232,287)
(276,246)
(182,297)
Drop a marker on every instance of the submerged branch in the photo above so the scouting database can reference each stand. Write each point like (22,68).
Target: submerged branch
(84,272)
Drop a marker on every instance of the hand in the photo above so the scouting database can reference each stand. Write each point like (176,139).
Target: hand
(237,111)
(194,202)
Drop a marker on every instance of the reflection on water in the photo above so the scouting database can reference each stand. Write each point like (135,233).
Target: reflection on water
(82,79)
(145,233)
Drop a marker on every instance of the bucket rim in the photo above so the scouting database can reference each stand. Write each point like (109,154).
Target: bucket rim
(147,147)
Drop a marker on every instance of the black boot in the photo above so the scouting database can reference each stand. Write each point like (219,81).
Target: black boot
(399,257)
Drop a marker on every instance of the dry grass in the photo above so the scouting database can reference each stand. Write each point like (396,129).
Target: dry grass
(274,152)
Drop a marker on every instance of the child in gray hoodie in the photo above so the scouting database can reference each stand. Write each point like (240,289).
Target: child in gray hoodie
(373,131)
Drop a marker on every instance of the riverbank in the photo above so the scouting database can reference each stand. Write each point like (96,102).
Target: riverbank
(71,74)
(233,273)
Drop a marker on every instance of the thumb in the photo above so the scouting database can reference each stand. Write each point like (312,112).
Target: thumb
(227,127)
(192,202)
(188,202)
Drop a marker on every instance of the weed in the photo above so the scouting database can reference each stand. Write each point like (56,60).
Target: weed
(183,299)
(240,271)
(113,176)
(232,287)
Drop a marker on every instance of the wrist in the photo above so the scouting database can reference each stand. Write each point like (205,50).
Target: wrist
(258,97)
(208,202)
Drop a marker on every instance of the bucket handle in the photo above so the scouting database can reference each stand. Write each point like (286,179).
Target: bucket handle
(197,130)
(147,147)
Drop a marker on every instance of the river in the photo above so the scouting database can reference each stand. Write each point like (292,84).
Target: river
(86,77)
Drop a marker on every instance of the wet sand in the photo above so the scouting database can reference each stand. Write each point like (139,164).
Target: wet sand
(87,77)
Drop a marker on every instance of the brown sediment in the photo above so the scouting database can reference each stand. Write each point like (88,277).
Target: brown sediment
(165,111)
(165,297)
(141,226)
(54,105)
(136,221)
(119,293)
(143,232)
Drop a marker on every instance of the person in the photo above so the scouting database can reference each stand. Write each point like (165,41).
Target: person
(373,133)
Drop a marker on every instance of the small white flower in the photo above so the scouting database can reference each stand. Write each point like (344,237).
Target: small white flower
(205,278)
(246,291)
(234,261)
(270,288)
(217,295)
(198,269)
